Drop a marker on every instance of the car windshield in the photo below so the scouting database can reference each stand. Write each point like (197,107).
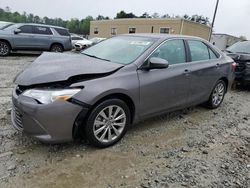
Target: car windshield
(240,47)
(122,49)
(4,25)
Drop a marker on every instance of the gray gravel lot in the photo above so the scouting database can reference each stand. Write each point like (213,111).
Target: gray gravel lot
(194,147)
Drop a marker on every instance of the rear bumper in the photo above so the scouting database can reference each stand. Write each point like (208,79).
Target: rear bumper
(52,123)
(243,77)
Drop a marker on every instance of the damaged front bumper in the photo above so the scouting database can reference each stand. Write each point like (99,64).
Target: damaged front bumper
(49,123)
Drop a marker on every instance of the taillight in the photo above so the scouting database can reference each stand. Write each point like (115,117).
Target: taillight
(234,65)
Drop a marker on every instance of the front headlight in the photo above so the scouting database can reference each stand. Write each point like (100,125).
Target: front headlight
(49,96)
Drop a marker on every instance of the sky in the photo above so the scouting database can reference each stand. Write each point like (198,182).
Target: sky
(232,18)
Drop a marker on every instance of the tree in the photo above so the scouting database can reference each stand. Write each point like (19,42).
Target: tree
(166,16)
(74,25)
(101,17)
(123,14)
(197,18)
(155,15)
(243,38)
(145,15)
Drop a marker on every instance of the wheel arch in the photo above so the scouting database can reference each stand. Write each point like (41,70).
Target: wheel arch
(4,40)
(226,82)
(124,97)
(77,128)
(56,43)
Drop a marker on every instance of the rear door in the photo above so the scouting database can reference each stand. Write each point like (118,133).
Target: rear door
(24,39)
(204,69)
(42,37)
(165,89)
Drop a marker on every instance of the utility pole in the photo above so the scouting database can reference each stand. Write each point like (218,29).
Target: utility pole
(215,12)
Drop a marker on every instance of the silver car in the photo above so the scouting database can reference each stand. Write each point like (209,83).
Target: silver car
(116,83)
(39,37)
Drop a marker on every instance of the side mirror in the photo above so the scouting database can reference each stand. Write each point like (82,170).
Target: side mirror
(16,31)
(156,63)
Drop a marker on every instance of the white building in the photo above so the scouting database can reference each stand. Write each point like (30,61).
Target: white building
(222,41)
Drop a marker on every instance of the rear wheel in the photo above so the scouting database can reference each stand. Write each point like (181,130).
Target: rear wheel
(56,48)
(107,123)
(4,48)
(217,95)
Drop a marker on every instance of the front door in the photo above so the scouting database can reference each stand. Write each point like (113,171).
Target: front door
(25,38)
(165,89)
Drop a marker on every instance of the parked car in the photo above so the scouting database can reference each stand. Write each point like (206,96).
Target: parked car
(96,40)
(240,52)
(34,37)
(75,39)
(82,44)
(116,83)
(5,24)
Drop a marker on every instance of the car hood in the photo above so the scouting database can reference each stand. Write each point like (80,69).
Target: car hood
(239,57)
(56,67)
(84,42)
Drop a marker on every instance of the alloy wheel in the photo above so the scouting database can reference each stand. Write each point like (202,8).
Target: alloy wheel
(109,123)
(218,94)
(56,48)
(4,49)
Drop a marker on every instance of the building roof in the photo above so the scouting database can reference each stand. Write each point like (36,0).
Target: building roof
(224,34)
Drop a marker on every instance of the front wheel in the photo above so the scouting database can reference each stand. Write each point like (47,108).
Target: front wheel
(4,48)
(107,123)
(217,95)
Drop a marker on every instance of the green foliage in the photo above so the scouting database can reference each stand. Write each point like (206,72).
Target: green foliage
(74,25)
(123,14)
(82,26)
(195,18)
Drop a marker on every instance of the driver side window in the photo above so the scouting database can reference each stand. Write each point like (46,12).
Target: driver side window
(173,51)
(26,29)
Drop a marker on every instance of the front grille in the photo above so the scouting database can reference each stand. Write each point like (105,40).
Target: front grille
(17,118)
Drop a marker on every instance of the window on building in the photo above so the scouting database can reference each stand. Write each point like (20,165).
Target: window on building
(165,30)
(96,31)
(113,31)
(132,30)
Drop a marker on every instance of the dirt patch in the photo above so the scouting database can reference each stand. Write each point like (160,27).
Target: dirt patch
(194,147)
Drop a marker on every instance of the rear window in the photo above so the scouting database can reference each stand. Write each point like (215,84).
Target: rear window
(42,30)
(62,32)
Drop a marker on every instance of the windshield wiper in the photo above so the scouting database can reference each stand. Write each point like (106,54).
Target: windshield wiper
(96,57)
(228,51)
(242,52)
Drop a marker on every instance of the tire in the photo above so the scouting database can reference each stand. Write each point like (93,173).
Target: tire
(4,48)
(101,128)
(217,95)
(56,48)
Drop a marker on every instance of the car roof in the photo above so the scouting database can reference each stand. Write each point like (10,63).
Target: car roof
(42,25)
(162,36)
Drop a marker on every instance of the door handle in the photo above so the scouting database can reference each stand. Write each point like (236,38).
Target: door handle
(186,72)
(218,65)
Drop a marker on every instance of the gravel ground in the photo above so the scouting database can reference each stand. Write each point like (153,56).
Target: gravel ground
(194,147)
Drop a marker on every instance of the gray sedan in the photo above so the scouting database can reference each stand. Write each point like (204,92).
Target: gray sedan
(116,83)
